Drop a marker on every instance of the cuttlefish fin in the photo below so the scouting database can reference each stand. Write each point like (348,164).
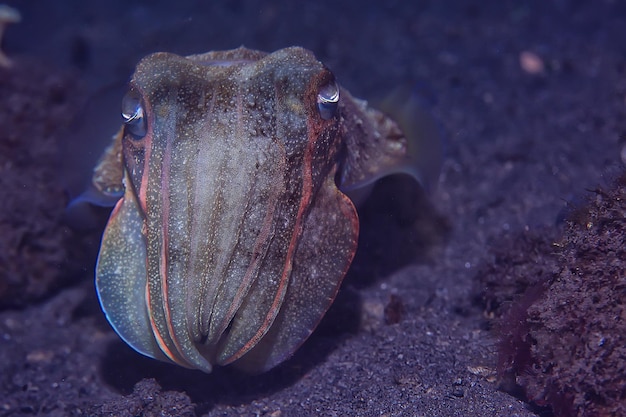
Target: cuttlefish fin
(105,189)
(401,137)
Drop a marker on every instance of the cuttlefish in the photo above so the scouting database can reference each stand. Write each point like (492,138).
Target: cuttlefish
(235,174)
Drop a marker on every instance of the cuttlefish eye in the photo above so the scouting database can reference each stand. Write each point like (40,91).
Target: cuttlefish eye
(133,114)
(328,100)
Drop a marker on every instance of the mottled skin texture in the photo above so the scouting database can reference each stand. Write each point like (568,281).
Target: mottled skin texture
(232,236)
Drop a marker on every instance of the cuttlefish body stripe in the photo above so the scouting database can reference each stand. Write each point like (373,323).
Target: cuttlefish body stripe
(265,232)
(204,240)
(174,230)
(143,200)
(255,264)
(305,201)
(175,273)
(160,336)
(258,310)
(189,353)
(220,319)
(205,191)
(247,297)
(157,294)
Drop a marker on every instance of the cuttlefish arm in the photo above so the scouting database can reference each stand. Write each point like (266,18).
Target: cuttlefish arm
(109,171)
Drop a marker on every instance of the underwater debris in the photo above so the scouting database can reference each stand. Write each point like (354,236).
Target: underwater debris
(7,15)
(394,310)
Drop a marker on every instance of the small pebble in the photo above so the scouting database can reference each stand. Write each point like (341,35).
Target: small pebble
(531,63)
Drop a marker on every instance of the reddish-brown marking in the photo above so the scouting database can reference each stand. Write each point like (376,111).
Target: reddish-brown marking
(162,345)
(165,215)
